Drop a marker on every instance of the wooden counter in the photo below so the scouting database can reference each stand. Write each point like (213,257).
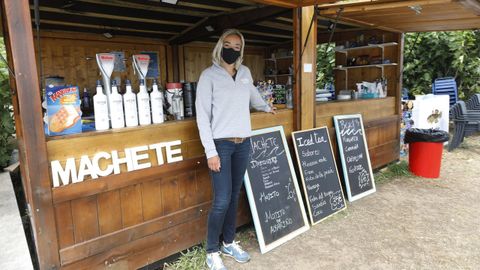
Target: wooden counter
(134,218)
(381,121)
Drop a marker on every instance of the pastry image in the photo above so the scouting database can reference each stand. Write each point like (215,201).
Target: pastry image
(64,118)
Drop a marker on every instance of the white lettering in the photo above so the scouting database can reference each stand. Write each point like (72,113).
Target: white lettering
(135,158)
(170,152)
(85,168)
(96,164)
(65,175)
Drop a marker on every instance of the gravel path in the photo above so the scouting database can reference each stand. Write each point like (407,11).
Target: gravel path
(409,223)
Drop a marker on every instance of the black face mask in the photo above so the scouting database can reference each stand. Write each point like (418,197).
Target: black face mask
(229,55)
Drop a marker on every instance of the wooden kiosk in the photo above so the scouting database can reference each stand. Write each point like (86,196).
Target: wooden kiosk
(132,219)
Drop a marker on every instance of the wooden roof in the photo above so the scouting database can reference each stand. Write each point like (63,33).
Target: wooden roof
(186,21)
(409,16)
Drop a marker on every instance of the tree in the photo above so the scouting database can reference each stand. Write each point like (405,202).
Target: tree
(442,54)
(7,127)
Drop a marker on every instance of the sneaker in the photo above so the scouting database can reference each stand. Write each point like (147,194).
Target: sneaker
(214,262)
(235,251)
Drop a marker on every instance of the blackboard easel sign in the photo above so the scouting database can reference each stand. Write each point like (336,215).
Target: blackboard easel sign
(353,149)
(272,190)
(321,184)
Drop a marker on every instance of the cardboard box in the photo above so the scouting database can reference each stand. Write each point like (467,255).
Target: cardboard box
(63,110)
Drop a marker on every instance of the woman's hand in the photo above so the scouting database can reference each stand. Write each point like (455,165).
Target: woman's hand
(273,110)
(214,163)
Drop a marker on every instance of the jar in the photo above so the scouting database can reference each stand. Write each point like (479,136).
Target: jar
(169,92)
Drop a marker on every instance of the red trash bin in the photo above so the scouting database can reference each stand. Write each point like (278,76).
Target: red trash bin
(425,159)
(425,151)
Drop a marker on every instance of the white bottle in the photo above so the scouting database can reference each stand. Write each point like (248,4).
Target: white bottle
(143,99)
(130,104)
(116,107)
(100,109)
(157,104)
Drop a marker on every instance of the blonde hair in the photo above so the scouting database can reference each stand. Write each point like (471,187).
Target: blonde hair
(217,51)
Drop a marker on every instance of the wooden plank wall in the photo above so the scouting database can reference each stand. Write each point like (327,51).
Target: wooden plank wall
(72,56)
(138,217)
(380,120)
(195,57)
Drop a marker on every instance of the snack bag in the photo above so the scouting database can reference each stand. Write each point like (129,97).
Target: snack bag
(63,110)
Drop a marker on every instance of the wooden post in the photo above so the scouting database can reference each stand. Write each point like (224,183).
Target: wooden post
(33,150)
(306,75)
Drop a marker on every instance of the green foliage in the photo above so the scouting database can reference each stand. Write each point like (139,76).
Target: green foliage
(193,259)
(442,54)
(7,127)
(325,64)
(393,171)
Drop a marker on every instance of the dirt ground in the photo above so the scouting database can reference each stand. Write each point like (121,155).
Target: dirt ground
(409,223)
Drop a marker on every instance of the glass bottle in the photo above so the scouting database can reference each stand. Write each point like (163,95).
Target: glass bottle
(177,104)
(289,93)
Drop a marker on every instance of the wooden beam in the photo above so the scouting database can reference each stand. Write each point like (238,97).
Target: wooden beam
(145,6)
(33,150)
(367,24)
(297,45)
(116,17)
(221,22)
(308,66)
(280,3)
(372,6)
(472,5)
(104,28)
(100,21)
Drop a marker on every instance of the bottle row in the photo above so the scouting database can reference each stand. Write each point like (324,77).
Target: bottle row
(131,109)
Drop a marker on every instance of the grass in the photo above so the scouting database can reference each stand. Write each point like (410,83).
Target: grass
(192,259)
(392,171)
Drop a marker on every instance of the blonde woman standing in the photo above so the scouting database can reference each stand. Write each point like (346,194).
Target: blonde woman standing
(225,92)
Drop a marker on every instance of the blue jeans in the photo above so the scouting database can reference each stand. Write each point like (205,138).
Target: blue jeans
(226,188)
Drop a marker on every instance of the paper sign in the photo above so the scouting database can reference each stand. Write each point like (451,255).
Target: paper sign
(307,68)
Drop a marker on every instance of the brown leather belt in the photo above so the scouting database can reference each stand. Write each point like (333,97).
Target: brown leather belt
(235,140)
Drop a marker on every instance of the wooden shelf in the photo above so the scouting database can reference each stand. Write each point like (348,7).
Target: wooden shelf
(126,131)
(360,100)
(366,66)
(279,58)
(278,75)
(383,45)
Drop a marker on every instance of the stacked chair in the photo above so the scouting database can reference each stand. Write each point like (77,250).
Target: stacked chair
(473,104)
(466,120)
(446,86)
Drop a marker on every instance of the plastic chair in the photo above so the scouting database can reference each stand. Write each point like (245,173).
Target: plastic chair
(446,86)
(473,104)
(466,123)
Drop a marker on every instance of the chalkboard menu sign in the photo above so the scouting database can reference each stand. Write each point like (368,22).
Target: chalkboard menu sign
(319,173)
(272,190)
(352,144)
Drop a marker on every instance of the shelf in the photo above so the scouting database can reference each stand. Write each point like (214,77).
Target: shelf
(279,58)
(279,75)
(383,45)
(364,101)
(127,132)
(366,66)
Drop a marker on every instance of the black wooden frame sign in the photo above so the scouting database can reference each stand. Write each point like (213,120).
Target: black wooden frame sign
(272,190)
(353,150)
(319,173)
